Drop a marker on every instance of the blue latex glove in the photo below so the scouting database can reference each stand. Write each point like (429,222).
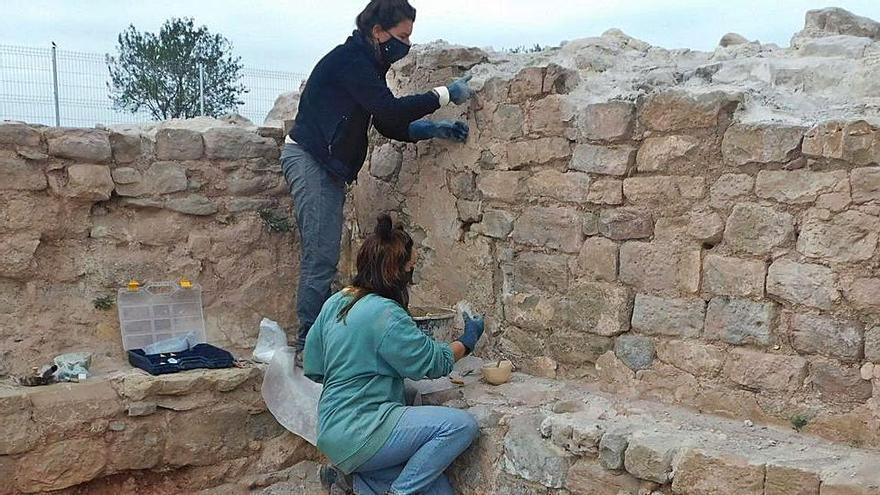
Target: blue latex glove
(459,91)
(443,129)
(473,330)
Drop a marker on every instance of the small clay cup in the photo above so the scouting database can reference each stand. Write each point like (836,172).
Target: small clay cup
(496,374)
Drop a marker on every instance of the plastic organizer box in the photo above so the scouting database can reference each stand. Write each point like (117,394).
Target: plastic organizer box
(159,311)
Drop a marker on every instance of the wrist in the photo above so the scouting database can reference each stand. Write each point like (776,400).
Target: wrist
(442,95)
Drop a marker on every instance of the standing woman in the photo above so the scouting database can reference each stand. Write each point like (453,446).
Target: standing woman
(346,93)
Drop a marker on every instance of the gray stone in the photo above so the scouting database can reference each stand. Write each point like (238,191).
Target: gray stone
(385,161)
(636,351)
(86,183)
(828,336)
(540,272)
(832,21)
(495,223)
(125,175)
(238,205)
(723,276)
(838,384)
(731,186)
(19,175)
(87,145)
(284,108)
(649,456)
(835,46)
(501,185)
(179,144)
(603,160)
(19,134)
(706,226)
(606,192)
(739,321)
(664,190)
(141,408)
(194,204)
(762,371)
(731,39)
(126,147)
(537,151)
(469,211)
(660,153)
(507,122)
(802,283)
(612,447)
(872,345)
(165,178)
(568,187)
(463,185)
(235,143)
(551,227)
(668,317)
(676,110)
(756,229)
(529,456)
(626,223)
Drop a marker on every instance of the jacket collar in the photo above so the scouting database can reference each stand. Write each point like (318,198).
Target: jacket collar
(359,41)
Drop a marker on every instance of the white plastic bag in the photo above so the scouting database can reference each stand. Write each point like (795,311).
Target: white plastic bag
(290,396)
(271,338)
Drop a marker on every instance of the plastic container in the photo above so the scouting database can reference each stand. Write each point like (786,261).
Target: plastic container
(200,356)
(160,311)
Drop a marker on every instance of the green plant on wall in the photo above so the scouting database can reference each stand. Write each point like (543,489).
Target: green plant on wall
(799,421)
(275,221)
(104,303)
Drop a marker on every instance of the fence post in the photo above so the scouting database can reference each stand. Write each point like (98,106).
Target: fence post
(201,90)
(55,86)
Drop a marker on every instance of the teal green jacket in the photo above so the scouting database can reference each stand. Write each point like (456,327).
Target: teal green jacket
(362,361)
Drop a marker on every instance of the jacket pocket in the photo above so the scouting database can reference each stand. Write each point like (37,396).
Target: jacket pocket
(338,134)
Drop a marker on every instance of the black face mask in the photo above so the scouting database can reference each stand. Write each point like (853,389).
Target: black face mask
(393,50)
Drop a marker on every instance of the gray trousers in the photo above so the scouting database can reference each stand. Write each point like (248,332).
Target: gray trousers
(318,199)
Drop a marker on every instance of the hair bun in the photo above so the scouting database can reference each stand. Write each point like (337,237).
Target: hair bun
(384,227)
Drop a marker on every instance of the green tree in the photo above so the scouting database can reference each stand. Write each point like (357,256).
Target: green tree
(160,72)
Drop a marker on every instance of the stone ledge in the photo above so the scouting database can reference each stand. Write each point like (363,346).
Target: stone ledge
(553,437)
(132,423)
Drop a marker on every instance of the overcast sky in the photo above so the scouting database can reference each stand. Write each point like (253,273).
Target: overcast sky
(293,34)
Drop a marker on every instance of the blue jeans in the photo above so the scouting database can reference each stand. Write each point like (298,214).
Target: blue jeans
(423,444)
(318,199)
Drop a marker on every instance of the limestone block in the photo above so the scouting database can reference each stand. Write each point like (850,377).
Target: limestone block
(569,187)
(626,223)
(761,143)
(469,211)
(847,237)
(537,152)
(612,448)
(529,456)
(865,184)
(19,134)
(87,145)
(603,160)
(798,186)
(839,384)
(611,122)
(194,204)
(87,183)
(668,317)
(662,153)
(756,229)
(725,276)
(502,186)
(385,161)
(495,223)
(784,480)
(550,116)
(664,189)
(696,358)
(649,456)
(606,192)
(550,227)
(676,110)
(740,321)
(19,175)
(528,83)
(507,122)
(598,260)
(761,371)
(61,465)
(872,345)
(702,473)
(659,266)
(730,187)
(857,142)
(587,477)
(539,272)
(179,144)
(826,335)
(236,143)
(596,308)
(126,147)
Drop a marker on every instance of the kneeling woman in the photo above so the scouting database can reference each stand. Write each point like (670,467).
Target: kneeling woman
(362,346)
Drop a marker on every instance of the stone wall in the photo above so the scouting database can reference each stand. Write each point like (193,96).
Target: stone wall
(85,210)
(697,228)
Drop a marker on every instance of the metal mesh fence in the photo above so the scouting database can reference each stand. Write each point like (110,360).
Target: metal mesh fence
(27,89)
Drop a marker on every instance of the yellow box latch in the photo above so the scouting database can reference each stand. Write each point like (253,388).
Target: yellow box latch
(185,283)
(133,285)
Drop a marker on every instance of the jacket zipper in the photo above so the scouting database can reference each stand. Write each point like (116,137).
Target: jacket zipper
(335,133)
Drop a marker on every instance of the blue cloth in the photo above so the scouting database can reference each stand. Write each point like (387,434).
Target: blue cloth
(344,93)
(422,445)
(318,198)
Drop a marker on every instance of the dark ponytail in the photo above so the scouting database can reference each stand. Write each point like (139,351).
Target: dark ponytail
(381,265)
(385,13)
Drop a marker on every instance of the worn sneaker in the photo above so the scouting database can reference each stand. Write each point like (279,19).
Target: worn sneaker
(335,481)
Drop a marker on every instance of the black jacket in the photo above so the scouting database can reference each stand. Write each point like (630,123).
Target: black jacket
(344,93)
